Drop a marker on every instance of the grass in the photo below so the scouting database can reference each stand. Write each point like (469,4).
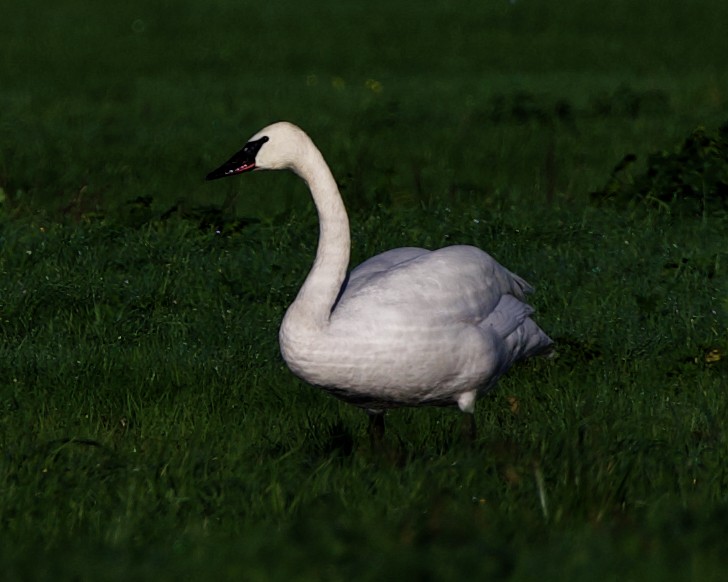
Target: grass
(149,428)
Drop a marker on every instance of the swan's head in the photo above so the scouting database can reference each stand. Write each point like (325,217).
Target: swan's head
(276,147)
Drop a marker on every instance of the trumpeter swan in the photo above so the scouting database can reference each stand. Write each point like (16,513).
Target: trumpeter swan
(408,327)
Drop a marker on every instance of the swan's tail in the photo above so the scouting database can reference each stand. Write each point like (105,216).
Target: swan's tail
(521,287)
(510,321)
(533,341)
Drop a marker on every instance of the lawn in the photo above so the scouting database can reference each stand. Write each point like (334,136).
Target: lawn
(149,428)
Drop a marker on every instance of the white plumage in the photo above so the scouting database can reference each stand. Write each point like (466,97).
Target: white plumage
(408,327)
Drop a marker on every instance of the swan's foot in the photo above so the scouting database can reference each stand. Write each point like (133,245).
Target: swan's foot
(376,428)
(468,429)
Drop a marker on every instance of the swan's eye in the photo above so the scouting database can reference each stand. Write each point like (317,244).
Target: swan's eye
(253,147)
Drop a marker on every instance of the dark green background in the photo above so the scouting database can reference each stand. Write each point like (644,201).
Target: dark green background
(149,428)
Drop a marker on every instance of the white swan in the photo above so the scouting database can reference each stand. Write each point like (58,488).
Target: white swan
(408,327)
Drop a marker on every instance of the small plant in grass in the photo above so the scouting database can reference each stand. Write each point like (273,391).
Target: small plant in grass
(695,175)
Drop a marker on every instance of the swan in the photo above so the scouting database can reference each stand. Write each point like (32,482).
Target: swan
(408,327)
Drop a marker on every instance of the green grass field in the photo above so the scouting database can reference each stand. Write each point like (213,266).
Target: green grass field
(148,426)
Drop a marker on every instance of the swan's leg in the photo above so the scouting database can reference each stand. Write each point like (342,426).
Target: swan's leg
(468,428)
(466,403)
(376,427)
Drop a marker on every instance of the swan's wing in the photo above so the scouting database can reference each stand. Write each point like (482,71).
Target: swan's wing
(387,260)
(458,283)
(378,264)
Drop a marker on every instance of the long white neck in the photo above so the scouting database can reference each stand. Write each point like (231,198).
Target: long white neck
(319,292)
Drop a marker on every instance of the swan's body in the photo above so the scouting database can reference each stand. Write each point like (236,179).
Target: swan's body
(408,327)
